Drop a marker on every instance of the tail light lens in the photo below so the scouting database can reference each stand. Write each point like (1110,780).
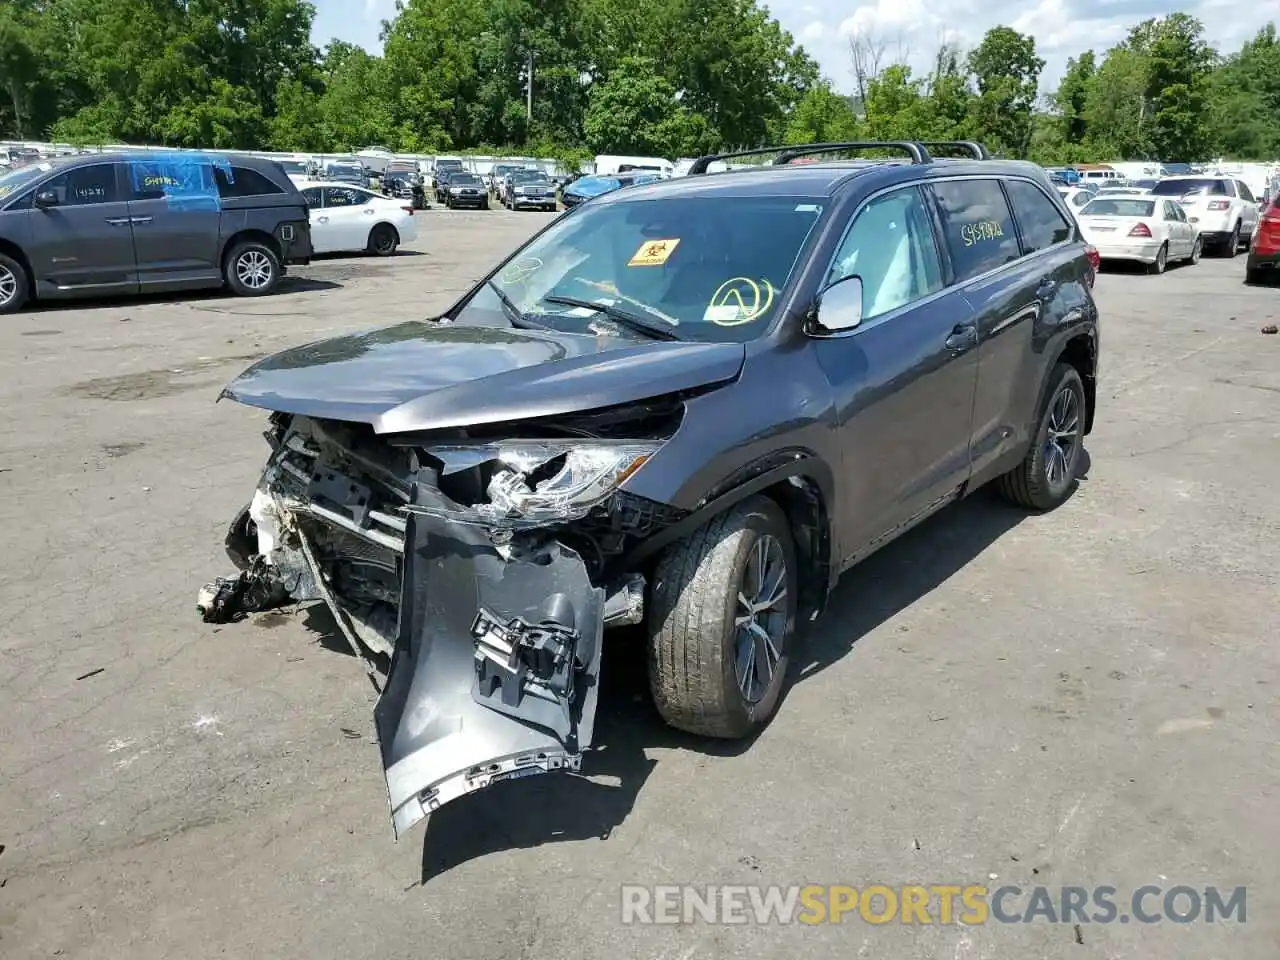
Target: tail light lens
(1218,204)
(1140,230)
(1095,261)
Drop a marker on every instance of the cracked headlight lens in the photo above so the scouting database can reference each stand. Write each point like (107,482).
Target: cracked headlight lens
(547,482)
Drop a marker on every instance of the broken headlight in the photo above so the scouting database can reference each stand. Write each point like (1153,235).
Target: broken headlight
(536,482)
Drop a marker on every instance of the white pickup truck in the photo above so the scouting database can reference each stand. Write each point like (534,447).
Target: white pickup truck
(1223,209)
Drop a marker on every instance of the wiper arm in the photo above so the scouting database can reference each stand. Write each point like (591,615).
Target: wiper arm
(514,314)
(625,318)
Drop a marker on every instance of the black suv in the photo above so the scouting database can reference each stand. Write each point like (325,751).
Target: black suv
(689,405)
(146,222)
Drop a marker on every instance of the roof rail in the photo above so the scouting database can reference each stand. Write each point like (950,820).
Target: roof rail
(975,149)
(916,151)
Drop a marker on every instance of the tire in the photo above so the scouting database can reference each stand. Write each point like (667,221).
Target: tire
(244,269)
(383,240)
(1030,484)
(1254,277)
(1233,242)
(694,666)
(1196,249)
(484,204)
(448,203)
(1161,261)
(15,289)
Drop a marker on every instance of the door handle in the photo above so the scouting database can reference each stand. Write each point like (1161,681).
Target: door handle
(962,337)
(322,219)
(141,219)
(117,221)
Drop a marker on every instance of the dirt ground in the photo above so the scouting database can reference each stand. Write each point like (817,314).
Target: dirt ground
(1090,697)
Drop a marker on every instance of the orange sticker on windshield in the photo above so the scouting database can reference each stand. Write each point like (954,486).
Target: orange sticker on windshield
(653,253)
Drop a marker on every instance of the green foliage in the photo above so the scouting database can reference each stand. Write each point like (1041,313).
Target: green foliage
(653,77)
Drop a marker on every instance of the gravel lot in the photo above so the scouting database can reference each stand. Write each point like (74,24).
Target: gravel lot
(1089,697)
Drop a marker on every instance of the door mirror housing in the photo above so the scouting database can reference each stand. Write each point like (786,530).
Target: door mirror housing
(46,199)
(839,306)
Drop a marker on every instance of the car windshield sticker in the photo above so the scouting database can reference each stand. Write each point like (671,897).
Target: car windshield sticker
(981,232)
(653,253)
(520,271)
(186,180)
(739,301)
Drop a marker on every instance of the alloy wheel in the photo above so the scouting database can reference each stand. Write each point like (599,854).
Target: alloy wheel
(761,620)
(1062,441)
(1161,260)
(255,269)
(1195,251)
(8,286)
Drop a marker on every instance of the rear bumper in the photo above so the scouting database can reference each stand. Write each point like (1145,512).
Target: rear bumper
(468,200)
(1266,262)
(1144,251)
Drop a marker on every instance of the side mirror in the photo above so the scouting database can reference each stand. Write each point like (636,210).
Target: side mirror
(839,307)
(46,198)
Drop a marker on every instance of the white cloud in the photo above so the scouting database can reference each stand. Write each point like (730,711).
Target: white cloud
(816,30)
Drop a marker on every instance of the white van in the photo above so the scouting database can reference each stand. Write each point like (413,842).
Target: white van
(608,165)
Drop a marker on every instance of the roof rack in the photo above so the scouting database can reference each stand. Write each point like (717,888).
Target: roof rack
(917,150)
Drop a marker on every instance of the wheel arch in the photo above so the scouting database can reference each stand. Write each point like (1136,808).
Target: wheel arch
(15,252)
(802,485)
(258,236)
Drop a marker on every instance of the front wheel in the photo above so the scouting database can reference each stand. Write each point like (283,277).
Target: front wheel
(1047,476)
(13,285)
(252,269)
(721,622)
(383,240)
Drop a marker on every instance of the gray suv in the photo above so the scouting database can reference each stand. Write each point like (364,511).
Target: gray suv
(145,222)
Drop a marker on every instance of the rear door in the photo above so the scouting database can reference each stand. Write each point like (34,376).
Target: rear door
(83,243)
(1022,278)
(1180,233)
(176,214)
(904,378)
(321,238)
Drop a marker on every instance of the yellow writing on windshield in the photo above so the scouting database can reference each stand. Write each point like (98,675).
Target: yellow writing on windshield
(653,253)
(739,301)
(981,231)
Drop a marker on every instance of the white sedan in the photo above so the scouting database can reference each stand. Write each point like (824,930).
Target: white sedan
(346,217)
(1076,197)
(1146,229)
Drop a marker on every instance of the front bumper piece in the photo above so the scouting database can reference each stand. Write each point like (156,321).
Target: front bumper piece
(494,634)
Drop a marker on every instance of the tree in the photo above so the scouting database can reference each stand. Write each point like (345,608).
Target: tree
(1116,113)
(1007,73)
(822,116)
(635,111)
(19,71)
(1073,95)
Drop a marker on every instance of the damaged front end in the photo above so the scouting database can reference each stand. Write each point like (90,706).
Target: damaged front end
(482,568)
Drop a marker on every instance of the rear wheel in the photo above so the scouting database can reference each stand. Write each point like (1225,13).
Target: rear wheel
(1161,261)
(1047,475)
(13,285)
(1233,242)
(383,240)
(1195,251)
(252,269)
(722,620)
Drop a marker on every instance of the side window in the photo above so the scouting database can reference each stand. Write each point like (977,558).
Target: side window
(166,178)
(1042,224)
(343,197)
(1245,193)
(890,246)
(976,225)
(85,185)
(313,197)
(243,182)
(1172,212)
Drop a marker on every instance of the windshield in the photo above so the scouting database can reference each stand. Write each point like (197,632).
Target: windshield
(345,170)
(1116,207)
(716,266)
(444,166)
(293,166)
(527,176)
(13,180)
(463,180)
(1180,188)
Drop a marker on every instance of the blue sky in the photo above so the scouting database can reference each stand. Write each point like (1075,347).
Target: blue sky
(1062,28)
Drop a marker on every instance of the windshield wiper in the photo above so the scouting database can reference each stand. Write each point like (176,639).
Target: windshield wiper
(629,320)
(514,314)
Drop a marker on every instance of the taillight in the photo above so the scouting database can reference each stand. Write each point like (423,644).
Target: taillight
(1140,230)
(1218,204)
(1095,261)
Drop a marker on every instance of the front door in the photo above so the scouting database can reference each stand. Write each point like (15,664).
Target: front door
(81,243)
(345,219)
(904,378)
(176,215)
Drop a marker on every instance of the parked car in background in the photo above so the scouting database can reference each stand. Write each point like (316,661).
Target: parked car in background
(687,406)
(1075,197)
(529,190)
(586,188)
(1144,229)
(136,222)
(1122,191)
(1224,210)
(1264,253)
(464,189)
(347,217)
(444,166)
(298,169)
(351,172)
(497,176)
(401,181)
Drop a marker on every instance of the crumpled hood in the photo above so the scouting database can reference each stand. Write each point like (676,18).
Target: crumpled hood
(426,375)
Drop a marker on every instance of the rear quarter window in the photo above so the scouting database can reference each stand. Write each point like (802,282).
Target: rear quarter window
(1041,222)
(977,226)
(243,182)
